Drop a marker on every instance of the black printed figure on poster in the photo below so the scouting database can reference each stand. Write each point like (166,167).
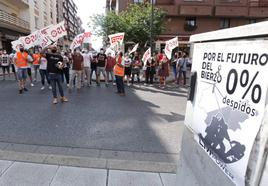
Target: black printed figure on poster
(216,132)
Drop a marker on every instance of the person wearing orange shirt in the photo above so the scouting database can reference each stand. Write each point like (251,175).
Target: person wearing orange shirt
(21,61)
(36,64)
(119,74)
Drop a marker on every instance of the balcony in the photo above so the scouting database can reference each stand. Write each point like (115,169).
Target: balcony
(14,23)
(20,3)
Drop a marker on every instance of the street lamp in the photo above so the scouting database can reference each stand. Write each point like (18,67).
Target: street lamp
(151,27)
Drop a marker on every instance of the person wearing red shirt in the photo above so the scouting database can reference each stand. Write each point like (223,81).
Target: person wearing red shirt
(109,67)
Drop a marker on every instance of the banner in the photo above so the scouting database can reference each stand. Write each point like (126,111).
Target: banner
(56,32)
(87,37)
(134,48)
(146,56)
(116,39)
(30,40)
(229,101)
(16,45)
(44,39)
(170,45)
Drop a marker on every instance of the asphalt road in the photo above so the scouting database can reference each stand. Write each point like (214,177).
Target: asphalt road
(146,120)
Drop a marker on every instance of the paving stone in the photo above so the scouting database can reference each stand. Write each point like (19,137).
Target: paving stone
(52,150)
(121,155)
(141,166)
(21,147)
(22,156)
(4,165)
(168,179)
(70,176)
(127,178)
(76,161)
(28,174)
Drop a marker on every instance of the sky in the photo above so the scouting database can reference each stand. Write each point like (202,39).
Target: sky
(87,8)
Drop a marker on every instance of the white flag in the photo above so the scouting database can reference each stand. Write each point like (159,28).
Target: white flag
(57,31)
(146,56)
(77,42)
(116,39)
(170,45)
(44,39)
(134,48)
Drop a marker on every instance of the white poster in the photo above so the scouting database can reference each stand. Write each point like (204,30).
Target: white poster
(170,45)
(116,39)
(229,101)
(30,40)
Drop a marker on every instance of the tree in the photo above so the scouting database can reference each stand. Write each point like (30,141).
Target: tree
(134,21)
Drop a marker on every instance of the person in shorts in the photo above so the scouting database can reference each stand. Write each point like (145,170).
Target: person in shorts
(21,59)
(101,64)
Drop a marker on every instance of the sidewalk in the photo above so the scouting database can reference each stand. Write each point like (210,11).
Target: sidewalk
(31,174)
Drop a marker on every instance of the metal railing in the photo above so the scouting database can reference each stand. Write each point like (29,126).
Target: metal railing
(13,20)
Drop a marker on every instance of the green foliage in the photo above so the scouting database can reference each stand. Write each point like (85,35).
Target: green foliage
(135,22)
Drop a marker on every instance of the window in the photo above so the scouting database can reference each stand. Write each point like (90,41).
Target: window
(190,21)
(138,1)
(224,23)
(250,21)
(36,22)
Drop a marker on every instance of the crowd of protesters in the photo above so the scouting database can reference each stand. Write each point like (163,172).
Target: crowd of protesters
(76,69)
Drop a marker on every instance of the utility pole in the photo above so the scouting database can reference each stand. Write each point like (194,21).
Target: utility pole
(151,27)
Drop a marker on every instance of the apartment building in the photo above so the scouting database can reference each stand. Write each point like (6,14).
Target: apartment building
(67,11)
(21,17)
(187,17)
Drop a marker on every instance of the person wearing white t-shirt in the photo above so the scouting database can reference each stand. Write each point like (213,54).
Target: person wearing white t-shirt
(43,72)
(87,63)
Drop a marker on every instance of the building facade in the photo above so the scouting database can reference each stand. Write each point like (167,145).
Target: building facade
(67,11)
(187,17)
(21,17)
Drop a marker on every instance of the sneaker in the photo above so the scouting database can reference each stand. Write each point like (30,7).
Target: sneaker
(64,99)
(114,84)
(42,88)
(55,101)
(68,85)
(128,84)
(32,85)
(145,84)
(122,94)
(25,89)
(20,91)
(50,87)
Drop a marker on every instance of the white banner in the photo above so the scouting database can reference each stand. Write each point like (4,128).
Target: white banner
(30,40)
(229,101)
(16,45)
(116,39)
(57,31)
(87,37)
(44,39)
(146,56)
(170,45)
(134,48)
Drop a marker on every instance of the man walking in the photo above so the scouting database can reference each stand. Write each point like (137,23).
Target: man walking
(77,67)
(21,60)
